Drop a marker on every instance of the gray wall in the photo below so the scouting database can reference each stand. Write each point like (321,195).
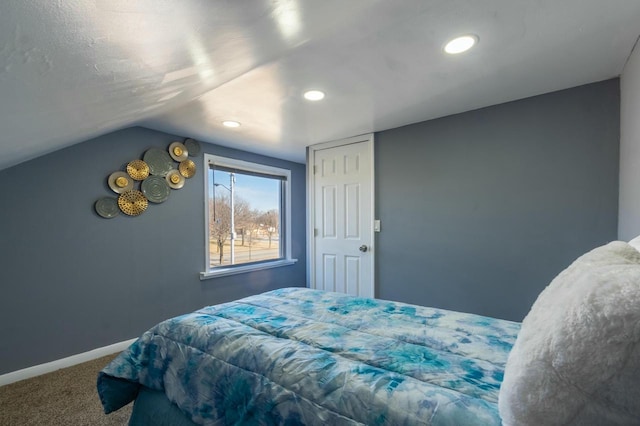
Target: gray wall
(72,281)
(481,210)
(629,205)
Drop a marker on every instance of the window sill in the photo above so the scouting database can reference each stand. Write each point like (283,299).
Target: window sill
(221,272)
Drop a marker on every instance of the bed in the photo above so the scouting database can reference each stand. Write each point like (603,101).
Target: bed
(297,356)
(302,356)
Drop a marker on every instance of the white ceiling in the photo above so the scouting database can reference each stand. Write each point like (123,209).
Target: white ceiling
(74,69)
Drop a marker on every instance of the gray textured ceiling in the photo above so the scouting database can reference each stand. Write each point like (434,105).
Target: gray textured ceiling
(74,69)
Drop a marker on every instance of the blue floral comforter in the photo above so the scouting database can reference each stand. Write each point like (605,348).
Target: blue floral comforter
(300,356)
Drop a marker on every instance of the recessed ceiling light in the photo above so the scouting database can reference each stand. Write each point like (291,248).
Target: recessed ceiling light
(230,123)
(461,44)
(313,95)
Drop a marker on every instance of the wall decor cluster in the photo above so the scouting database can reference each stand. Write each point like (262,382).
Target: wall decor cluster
(157,174)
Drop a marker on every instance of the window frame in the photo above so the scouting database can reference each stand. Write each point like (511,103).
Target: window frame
(286,259)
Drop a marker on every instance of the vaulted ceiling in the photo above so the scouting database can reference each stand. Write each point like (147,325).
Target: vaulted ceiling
(74,69)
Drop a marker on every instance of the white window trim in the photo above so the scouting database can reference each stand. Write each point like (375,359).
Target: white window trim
(260,168)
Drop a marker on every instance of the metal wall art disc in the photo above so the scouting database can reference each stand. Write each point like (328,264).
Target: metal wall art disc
(107,207)
(178,151)
(138,169)
(175,179)
(120,182)
(132,203)
(159,161)
(156,189)
(187,168)
(193,147)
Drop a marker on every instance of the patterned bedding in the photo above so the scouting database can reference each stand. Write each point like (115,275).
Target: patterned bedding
(300,356)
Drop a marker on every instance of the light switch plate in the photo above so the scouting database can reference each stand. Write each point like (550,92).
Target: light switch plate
(376,225)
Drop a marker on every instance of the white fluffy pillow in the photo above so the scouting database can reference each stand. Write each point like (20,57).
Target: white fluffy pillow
(576,360)
(635,243)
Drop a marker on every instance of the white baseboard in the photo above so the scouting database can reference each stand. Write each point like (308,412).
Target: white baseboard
(49,367)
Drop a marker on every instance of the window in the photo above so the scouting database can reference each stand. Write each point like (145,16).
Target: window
(247,216)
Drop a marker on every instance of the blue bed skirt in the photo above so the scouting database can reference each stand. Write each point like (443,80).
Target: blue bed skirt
(153,408)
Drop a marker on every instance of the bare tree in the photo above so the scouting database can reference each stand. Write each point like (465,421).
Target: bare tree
(270,220)
(243,215)
(220,222)
(246,220)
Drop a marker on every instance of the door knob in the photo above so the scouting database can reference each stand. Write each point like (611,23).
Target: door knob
(363,248)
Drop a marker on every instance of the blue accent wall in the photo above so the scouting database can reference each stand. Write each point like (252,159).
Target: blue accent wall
(73,281)
(481,210)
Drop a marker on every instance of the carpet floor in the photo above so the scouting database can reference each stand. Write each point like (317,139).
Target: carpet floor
(64,397)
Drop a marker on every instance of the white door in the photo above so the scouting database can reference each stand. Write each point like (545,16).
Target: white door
(341,208)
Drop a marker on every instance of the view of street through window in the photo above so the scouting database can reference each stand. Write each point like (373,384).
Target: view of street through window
(249,205)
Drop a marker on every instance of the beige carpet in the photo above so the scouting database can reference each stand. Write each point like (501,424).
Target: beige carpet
(64,397)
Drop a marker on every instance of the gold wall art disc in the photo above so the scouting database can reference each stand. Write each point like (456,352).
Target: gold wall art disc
(138,169)
(193,147)
(187,168)
(120,182)
(178,151)
(175,179)
(132,203)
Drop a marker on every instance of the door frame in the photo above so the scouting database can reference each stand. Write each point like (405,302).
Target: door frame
(311,154)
